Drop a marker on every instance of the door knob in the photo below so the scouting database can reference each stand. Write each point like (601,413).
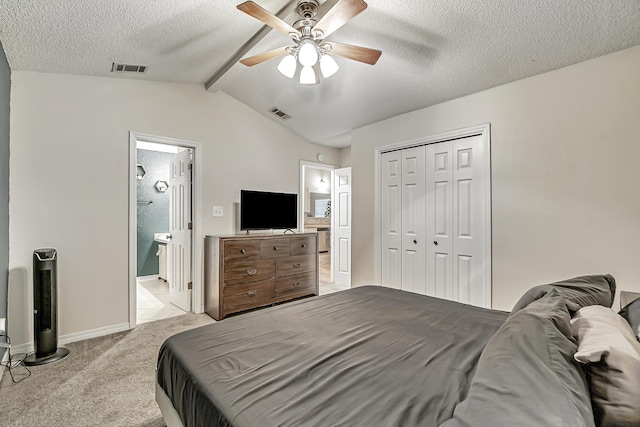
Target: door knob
(415,242)
(169,237)
(435,242)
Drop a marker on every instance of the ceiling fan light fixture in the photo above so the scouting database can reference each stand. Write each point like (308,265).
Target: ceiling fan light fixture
(307,76)
(328,66)
(308,53)
(288,66)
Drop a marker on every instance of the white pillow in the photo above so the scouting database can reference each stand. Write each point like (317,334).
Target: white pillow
(608,345)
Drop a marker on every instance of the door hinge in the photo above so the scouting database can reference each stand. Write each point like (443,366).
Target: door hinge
(190,226)
(190,285)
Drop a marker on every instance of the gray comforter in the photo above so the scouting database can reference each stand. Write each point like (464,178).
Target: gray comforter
(374,356)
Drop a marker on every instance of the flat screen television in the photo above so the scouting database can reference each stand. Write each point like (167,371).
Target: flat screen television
(261,210)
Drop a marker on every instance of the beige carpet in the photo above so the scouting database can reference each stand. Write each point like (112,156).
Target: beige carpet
(106,381)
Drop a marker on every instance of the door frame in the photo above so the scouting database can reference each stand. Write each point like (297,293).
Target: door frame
(196,238)
(483,131)
(311,165)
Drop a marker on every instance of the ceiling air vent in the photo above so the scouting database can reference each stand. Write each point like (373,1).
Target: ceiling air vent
(279,113)
(127,68)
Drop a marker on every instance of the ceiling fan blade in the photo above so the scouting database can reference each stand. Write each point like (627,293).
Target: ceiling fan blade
(265,56)
(339,15)
(357,53)
(261,14)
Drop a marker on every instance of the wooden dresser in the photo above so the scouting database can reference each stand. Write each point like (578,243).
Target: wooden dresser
(244,272)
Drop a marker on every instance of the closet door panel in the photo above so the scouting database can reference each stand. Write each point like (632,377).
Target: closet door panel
(468,224)
(413,220)
(391,183)
(439,219)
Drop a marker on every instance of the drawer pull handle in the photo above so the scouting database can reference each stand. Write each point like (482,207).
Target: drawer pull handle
(296,284)
(252,293)
(242,251)
(296,265)
(252,271)
(275,248)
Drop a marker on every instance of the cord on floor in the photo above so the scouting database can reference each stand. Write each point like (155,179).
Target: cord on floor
(14,361)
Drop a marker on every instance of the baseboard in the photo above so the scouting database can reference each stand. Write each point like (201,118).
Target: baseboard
(147,278)
(76,336)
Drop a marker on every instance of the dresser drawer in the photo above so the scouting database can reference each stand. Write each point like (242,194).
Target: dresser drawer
(241,250)
(303,245)
(242,272)
(295,265)
(296,283)
(274,248)
(249,294)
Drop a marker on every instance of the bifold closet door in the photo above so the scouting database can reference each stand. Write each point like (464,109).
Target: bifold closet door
(413,220)
(433,220)
(391,215)
(403,218)
(455,218)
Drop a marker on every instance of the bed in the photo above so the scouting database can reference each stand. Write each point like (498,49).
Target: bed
(375,356)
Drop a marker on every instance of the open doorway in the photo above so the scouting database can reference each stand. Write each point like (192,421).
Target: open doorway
(317,204)
(162,248)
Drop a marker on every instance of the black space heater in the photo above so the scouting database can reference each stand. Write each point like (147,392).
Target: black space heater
(45,309)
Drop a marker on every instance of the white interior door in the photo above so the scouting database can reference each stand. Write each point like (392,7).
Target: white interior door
(179,228)
(391,219)
(469,256)
(413,220)
(439,217)
(434,214)
(341,214)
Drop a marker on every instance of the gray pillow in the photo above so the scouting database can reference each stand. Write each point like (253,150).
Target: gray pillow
(583,291)
(526,375)
(608,346)
(631,313)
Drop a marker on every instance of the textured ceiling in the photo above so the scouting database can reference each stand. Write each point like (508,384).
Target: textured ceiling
(433,50)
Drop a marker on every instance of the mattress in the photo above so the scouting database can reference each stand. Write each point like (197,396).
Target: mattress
(369,356)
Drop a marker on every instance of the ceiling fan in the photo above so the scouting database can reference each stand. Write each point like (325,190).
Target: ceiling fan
(308,34)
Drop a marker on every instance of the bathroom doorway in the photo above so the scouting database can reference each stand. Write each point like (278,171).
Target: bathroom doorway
(162,249)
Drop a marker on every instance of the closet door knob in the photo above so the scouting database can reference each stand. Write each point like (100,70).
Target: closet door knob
(415,242)
(435,242)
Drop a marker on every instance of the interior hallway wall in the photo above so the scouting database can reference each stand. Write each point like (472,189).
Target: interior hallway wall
(70,179)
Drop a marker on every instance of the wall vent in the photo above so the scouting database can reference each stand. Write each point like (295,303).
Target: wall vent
(279,113)
(127,68)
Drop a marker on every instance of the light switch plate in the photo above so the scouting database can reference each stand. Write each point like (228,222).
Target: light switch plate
(218,211)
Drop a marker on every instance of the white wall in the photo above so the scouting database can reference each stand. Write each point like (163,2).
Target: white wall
(69,179)
(565,175)
(5,91)
(345,157)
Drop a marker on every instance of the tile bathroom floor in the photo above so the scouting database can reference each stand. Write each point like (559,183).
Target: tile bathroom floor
(326,285)
(153,301)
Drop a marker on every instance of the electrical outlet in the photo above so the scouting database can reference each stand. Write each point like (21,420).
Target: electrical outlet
(218,211)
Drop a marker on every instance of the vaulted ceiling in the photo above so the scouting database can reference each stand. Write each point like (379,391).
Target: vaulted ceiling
(433,50)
